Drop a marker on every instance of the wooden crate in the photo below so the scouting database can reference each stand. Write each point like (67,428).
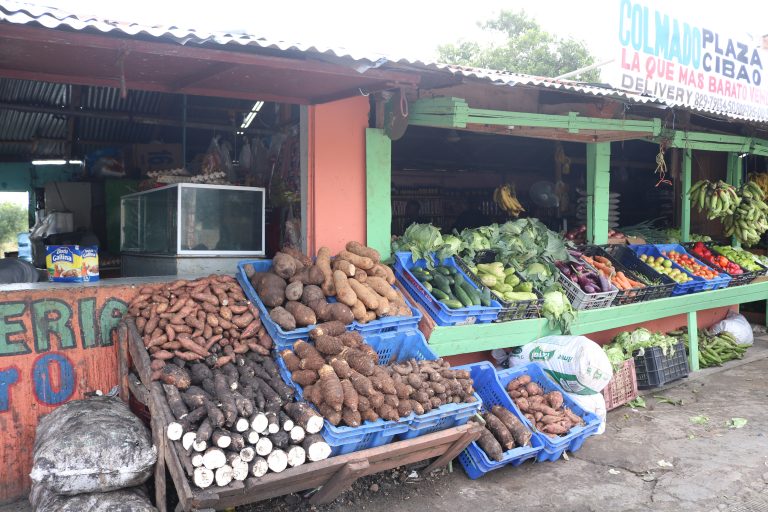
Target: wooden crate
(332,476)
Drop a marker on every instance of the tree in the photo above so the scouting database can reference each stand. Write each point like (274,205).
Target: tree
(13,220)
(528,49)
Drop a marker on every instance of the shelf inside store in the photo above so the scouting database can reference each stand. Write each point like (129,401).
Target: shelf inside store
(462,339)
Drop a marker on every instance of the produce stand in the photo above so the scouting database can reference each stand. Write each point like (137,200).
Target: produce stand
(333,475)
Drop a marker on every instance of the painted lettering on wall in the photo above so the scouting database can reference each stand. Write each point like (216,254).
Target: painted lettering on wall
(47,329)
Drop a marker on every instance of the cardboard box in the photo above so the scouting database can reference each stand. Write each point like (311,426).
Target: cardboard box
(157,157)
(72,263)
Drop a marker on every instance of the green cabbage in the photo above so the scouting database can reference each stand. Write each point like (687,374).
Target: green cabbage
(557,309)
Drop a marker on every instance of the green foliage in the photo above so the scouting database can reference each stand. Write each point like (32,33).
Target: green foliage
(13,220)
(528,49)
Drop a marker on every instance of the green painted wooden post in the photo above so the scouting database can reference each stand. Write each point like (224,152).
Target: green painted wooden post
(378,190)
(734,178)
(598,179)
(685,201)
(693,342)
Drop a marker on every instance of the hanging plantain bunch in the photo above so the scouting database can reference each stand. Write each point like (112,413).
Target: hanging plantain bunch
(718,199)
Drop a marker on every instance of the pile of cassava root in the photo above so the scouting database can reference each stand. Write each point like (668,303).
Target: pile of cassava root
(208,318)
(234,416)
(296,291)
(502,432)
(546,412)
(340,374)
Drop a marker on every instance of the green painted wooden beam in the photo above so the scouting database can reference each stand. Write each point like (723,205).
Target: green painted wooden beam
(572,122)
(693,341)
(685,209)
(439,112)
(598,179)
(465,339)
(378,186)
(734,178)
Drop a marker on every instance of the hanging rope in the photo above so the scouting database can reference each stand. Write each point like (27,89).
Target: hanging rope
(661,166)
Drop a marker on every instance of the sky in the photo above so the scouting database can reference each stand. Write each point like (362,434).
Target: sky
(412,28)
(18,198)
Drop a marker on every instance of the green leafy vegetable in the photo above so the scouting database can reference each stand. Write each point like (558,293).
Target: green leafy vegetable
(737,422)
(421,240)
(637,403)
(699,420)
(557,309)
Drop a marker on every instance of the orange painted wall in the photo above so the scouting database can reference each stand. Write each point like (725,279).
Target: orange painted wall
(55,346)
(337,173)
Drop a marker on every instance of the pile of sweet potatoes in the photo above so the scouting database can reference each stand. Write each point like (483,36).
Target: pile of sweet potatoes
(340,374)
(545,411)
(296,291)
(502,432)
(204,319)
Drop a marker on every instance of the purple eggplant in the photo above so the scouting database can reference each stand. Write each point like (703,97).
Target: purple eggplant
(589,289)
(605,285)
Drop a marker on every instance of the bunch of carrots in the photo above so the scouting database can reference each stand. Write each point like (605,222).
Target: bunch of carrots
(619,279)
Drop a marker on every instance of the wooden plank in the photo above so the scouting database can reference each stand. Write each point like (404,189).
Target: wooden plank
(734,178)
(598,177)
(685,201)
(462,339)
(338,483)
(458,446)
(139,354)
(122,361)
(137,389)
(378,188)
(158,436)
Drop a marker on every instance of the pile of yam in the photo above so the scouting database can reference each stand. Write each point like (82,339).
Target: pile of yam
(545,411)
(342,376)
(296,291)
(503,432)
(205,319)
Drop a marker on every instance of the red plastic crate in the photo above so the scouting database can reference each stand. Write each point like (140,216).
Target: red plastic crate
(622,388)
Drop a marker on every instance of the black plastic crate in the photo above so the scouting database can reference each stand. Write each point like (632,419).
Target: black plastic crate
(650,292)
(662,286)
(520,310)
(736,279)
(654,369)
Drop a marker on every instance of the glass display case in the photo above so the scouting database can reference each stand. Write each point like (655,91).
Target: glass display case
(193,220)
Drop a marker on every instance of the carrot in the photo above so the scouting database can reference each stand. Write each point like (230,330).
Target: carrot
(603,260)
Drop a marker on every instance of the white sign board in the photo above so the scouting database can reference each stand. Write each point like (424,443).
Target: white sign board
(683,62)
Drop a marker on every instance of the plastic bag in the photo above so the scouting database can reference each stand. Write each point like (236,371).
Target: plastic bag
(246,156)
(133,499)
(92,445)
(576,363)
(737,325)
(594,404)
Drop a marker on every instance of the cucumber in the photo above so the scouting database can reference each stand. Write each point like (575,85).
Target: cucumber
(452,303)
(421,274)
(462,295)
(485,298)
(452,270)
(440,281)
(472,292)
(443,270)
(427,285)
(439,294)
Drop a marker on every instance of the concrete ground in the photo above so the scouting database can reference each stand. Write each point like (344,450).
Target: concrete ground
(652,459)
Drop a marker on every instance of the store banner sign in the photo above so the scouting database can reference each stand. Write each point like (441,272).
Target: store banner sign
(683,62)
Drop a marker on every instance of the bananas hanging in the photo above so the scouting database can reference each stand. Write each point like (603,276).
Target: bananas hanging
(718,199)
(506,197)
(749,220)
(761,179)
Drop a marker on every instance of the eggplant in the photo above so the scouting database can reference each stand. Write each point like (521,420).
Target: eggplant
(605,285)
(584,281)
(589,289)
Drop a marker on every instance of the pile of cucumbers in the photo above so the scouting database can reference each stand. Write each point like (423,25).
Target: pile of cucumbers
(447,285)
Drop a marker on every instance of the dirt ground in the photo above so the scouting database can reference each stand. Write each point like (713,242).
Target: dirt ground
(676,457)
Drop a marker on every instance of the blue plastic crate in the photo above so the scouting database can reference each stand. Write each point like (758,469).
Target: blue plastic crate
(442,314)
(698,284)
(711,284)
(391,347)
(474,460)
(553,447)
(285,339)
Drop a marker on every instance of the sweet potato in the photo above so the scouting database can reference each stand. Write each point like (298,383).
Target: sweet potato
(330,385)
(329,345)
(310,293)
(366,295)
(574,418)
(555,399)
(294,290)
(533,389)
(383,288)
(332,328)
(360,276)
(362,262)
(344,292)
(382,271)
(303,315)
(304,377)
(362,250)
(284,265)
(488,443)
(271,289)
(345,266)
(283,318)
(323,262)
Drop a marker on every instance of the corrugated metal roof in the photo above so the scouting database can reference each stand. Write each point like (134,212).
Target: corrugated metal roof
(23,13)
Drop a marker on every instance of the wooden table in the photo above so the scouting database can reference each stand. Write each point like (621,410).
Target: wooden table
(332,476)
